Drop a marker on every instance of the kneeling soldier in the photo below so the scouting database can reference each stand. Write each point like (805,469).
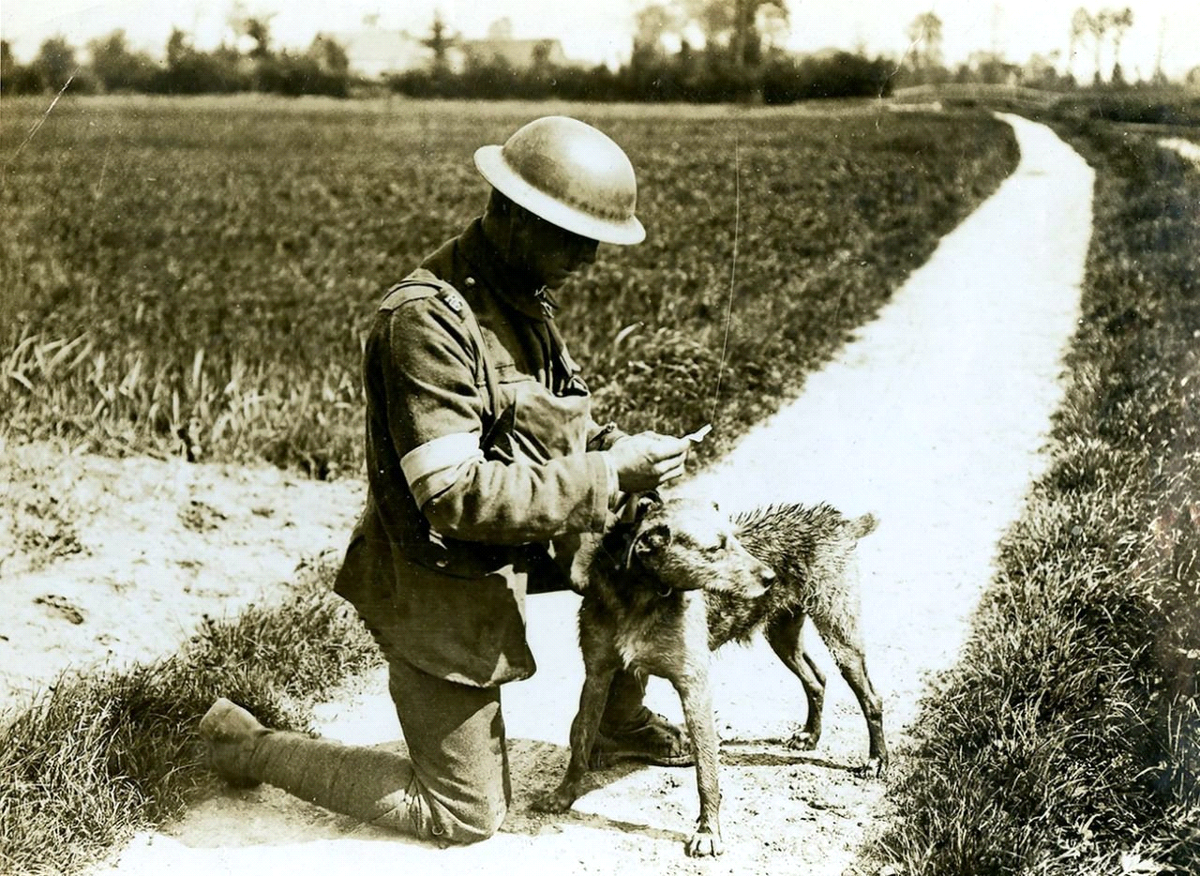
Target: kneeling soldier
(484,466)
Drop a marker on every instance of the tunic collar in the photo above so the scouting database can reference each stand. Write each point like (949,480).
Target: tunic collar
(512,287)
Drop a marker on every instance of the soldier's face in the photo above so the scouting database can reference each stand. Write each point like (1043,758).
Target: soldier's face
(552,254)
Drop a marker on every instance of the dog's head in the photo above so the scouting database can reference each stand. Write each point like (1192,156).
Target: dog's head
(690,545)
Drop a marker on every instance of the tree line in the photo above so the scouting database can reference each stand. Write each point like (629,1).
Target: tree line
(114,67)
(682,50)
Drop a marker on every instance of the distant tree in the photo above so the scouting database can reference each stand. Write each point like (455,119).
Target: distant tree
(738,25)
(118,68)
(256,27)
(925,55)
(16,78)
(329,54)
(651,25)
(925,34)
(55,63)
(9,69)
(1081,26)
(500,29)
(177,47)
(1097,26)
(540,56)
(440,41)
(189,71)
(1119,22)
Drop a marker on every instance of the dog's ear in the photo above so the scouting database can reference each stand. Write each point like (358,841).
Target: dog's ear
(651,540)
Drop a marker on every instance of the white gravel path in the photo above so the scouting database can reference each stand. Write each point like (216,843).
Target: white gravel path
(932,419)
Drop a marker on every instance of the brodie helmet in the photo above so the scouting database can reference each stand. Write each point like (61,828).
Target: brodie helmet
(569,174)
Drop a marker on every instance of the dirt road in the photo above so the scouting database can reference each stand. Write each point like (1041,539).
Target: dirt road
(932,419)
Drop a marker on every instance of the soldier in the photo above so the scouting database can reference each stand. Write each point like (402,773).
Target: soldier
(484,468)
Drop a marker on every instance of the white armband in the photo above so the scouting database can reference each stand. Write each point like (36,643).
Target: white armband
(433,467)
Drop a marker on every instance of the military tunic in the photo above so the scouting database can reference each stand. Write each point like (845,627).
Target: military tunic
(481,450)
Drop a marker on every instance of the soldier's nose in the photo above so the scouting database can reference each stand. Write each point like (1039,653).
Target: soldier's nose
(587,252)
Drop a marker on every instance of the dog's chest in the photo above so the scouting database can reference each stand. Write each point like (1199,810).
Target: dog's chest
(663,642)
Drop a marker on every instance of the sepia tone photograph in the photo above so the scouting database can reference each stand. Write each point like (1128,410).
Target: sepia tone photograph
(647,437)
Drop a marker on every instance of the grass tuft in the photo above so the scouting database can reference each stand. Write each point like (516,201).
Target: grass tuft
(96,758)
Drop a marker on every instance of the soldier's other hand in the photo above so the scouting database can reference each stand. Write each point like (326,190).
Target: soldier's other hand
(648,459)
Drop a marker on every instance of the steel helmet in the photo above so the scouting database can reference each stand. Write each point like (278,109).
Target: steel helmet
(569,174)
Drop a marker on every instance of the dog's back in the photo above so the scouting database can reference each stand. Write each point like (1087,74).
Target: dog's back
(809,547)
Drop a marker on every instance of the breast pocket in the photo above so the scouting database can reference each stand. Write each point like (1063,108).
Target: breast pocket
(537,426)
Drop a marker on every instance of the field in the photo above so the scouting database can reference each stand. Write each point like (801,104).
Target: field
(195,278)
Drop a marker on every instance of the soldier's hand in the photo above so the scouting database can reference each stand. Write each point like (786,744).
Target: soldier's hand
(648,459)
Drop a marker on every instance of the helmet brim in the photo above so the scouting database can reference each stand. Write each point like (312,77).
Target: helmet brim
(490,163)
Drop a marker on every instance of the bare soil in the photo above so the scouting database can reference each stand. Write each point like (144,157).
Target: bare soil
(932,419)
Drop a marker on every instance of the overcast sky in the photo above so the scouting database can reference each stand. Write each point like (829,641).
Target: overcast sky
(600,30)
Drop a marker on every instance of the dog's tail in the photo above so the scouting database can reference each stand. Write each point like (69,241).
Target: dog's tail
(864,525)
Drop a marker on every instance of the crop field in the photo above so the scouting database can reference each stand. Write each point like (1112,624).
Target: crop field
(195,278)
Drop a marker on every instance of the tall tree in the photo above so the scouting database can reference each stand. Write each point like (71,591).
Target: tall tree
(1098,25)
(1119,22)
(116,66)
(925,34)
(737,24)
(1081,27)
(55,62)
(439,42)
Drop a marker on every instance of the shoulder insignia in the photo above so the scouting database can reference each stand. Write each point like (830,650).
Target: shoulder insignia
(454,301)
(402,292)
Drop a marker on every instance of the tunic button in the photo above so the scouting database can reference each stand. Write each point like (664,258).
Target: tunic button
(441,563)
(470,281)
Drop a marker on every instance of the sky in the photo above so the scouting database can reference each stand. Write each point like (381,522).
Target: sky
(600,31)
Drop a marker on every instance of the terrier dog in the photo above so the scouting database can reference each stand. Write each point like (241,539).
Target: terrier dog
(682,579)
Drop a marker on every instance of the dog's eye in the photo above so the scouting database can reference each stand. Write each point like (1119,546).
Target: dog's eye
(722,543)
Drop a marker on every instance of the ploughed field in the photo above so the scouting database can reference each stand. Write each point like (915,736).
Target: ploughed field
(195,277)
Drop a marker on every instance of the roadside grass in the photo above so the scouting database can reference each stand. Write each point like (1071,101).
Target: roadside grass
(1067,741)
(195,278)
(96,758)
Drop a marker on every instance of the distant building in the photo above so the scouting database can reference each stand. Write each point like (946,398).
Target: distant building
(515,53)
(375,52)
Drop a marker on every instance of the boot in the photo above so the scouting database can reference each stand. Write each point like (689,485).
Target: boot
(230,734)
(371,785)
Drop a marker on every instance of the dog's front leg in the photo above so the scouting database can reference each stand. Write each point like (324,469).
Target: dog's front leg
(592,701)
(696,696)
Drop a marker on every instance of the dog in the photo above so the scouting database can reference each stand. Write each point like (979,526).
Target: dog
(680,580)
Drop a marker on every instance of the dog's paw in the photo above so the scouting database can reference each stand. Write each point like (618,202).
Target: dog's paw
(559,800)
(874,768)
(704,844)
(802,740)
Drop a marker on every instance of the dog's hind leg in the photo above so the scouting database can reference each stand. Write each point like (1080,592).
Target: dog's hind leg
(696,696)
(845,646)
(784,633)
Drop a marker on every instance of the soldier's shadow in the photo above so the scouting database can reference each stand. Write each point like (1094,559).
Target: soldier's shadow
(538,767)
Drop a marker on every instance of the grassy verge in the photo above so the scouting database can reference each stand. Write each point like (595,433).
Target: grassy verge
(202,285)
(1068,739)
(99,757)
